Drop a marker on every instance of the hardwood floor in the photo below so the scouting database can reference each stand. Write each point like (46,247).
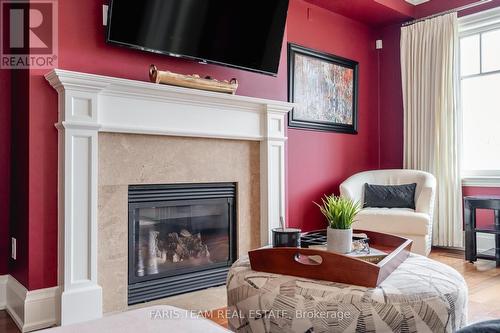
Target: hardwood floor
(7,325)
(483,279)
(218,316)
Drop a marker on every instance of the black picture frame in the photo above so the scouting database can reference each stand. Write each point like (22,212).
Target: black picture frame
(295,122)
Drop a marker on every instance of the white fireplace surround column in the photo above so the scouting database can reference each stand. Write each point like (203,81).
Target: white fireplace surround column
(89,104)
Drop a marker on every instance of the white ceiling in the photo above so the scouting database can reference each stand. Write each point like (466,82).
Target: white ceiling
(416,2)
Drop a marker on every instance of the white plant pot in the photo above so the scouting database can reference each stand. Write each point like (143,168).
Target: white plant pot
(339,240)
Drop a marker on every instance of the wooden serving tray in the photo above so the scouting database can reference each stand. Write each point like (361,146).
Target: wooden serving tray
(329,266)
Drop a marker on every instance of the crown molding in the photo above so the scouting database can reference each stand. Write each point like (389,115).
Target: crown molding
(416,2)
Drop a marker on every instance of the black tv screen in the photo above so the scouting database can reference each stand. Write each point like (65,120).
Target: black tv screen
(236,33)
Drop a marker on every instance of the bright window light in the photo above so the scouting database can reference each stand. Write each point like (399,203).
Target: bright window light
(480,97)
(490,50)
(481,123)
(470,55)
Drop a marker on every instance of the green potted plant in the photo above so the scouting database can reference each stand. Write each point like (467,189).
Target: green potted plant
(340,214)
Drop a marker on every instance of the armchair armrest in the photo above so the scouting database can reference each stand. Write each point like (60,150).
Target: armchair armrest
(353,188)
(425,201)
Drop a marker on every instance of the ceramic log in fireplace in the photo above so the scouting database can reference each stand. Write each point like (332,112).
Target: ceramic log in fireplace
(182,237)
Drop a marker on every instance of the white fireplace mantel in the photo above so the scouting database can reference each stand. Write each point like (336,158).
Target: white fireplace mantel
(89,104)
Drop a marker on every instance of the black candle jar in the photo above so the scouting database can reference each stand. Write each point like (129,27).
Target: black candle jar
(288,237)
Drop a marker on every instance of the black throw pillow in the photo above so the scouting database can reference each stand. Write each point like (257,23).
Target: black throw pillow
(390,196)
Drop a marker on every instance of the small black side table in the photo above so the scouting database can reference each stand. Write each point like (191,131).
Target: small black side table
(470,205)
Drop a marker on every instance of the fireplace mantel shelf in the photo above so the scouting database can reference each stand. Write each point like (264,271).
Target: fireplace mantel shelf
(89,104)
(129,106)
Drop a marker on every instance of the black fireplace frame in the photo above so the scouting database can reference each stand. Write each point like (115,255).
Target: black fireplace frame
(147,288)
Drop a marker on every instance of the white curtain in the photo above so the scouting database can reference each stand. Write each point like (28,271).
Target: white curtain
(431,117)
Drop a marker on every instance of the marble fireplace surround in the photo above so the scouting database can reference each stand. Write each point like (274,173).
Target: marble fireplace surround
(93,104)
(153,159)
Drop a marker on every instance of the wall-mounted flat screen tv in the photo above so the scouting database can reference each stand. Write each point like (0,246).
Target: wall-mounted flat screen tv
(235,33)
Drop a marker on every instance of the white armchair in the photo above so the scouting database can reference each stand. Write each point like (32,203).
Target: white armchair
(413,224)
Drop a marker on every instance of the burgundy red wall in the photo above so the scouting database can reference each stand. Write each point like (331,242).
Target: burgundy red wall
(319,161)
(19,225)
(391,99)
(5,83)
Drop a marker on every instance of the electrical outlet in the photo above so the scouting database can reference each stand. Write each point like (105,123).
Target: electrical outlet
(14,248)
(105,15)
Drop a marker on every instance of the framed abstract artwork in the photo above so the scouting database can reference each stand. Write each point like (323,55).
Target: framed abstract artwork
(325,89)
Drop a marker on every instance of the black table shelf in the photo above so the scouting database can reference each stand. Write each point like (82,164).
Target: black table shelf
(489,229)
(471,204)
(489,254)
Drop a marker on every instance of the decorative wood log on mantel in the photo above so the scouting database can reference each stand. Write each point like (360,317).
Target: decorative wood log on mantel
(192,81)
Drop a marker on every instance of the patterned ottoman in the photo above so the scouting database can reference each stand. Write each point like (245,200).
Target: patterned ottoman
(421,295)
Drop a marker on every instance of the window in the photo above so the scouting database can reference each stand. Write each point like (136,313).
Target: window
(480,95)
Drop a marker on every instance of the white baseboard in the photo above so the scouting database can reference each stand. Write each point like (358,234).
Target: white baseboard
(3,291)
(30,310)
(484,242)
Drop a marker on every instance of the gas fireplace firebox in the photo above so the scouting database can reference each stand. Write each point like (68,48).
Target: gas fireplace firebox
(182,237)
